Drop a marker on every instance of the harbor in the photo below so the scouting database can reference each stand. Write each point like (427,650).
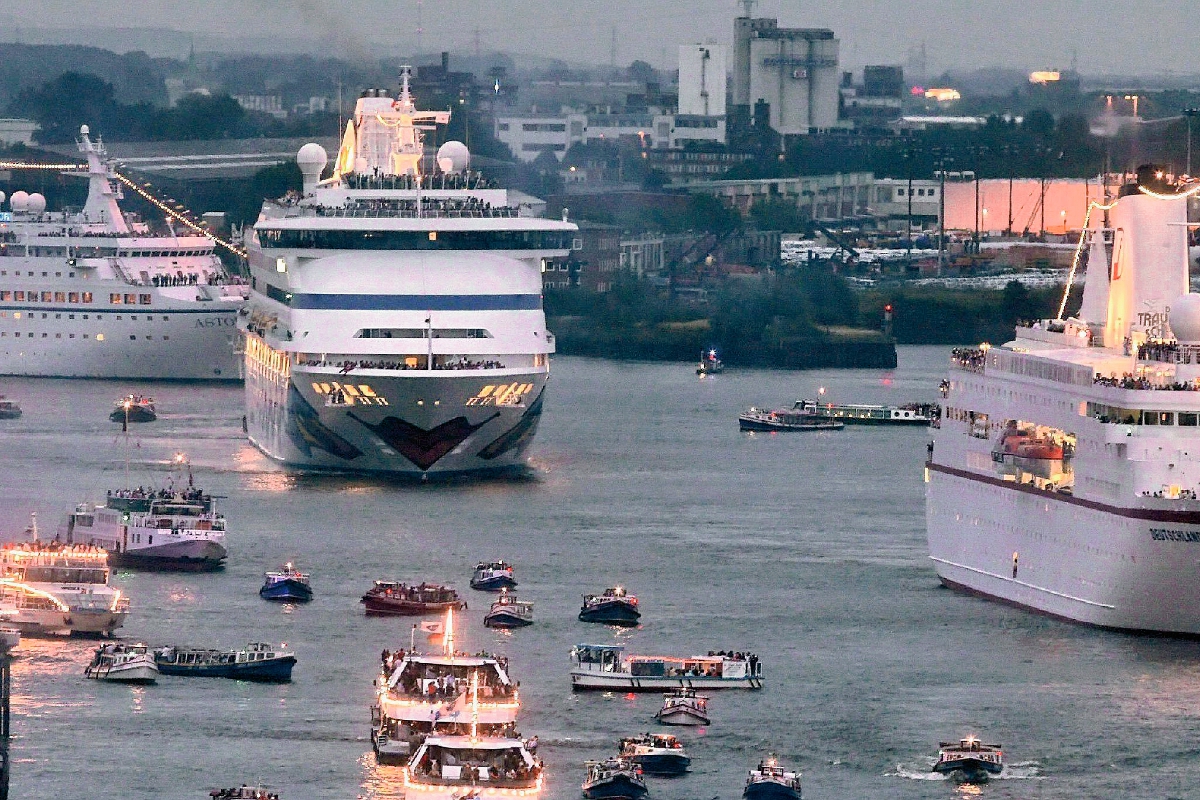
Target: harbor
(817,577)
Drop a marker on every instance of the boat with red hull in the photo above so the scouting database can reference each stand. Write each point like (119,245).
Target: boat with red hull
(401,599)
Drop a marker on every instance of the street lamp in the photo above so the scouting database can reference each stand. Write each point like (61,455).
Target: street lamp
(1133,98)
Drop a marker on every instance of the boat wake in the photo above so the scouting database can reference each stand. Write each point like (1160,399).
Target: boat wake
(923,771)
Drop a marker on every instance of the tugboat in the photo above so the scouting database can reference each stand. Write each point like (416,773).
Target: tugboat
(122,663)
(613,779)
(683,707)
(509,612)
(392,597)
(614,607)
(256,661)
(766,420)
(656,754)
(969,760)
(769,781)
(133,408)
(709,364)
(9,409)
(286,586)
(493,576)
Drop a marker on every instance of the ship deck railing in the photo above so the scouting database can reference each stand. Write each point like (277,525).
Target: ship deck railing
(1169,353)
(968,359)
(428,209)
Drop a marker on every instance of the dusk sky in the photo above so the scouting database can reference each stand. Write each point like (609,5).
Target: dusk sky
(1149,37)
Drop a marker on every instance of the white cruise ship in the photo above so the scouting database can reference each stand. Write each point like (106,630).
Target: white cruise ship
(95,293)
(395,321)
(1065,473)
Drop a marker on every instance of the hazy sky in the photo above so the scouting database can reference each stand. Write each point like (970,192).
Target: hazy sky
(1147,37)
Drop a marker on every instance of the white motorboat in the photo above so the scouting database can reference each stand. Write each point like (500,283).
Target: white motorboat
(509,612)
(121,663)
(770,781)
(608,667)
(683,707)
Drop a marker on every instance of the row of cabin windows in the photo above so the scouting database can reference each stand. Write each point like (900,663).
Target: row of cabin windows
(99,336)
(10,249)
(47,297)
(1137,416)
(29,274)
(33,315)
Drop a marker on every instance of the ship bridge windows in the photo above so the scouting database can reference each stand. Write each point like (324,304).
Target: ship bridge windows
(422,333)
(417,240)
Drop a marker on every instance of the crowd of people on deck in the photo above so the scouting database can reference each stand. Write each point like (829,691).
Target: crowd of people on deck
(439,681)
(1130,381)
(349,366)
(189,495)
(749,658)
(243,792)
(500,765)
(969,358)
(1184,494)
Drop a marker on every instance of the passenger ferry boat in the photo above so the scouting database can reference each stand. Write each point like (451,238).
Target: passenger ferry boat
(393,597)
(476,767)
(607,667)
(613,779)
(683,707)
(655,753)
(59,589)
(1061,477)
(493,576)
(614,606)
(122,663)
(134,408)
(9,409)
(288,585)
(509,612)
(770,781)
(969,760)
(851,414)
(395,321)
(96,293)
(166,529)
(257,661)
(766,421)
(244,792)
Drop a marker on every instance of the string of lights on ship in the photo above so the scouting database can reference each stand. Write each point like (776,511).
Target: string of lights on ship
(171,208)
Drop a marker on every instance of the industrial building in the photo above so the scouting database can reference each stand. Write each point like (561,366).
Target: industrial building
(790,73)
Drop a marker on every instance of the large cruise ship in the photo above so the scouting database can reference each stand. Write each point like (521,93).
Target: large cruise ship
(1065,472)
(395,321)
(95,293)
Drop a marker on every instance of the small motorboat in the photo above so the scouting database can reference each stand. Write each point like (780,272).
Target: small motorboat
(133,408)
(615,607)
(122,663)
(509,612)
(9,409)
(770,781)
(493,576)
(709,364)
(969,760)
(766,420)
(256,661)
(683,707)
(392,597)
(244,792)
(656,754)
(613,778)
(288,585)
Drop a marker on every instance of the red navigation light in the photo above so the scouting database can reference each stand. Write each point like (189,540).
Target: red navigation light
(888,308)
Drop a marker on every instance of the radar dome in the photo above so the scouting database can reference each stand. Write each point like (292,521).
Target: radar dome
(2,196)
(1185,318)
(311,159)
(84,130)
(19,201)
(36,203)
(453,157)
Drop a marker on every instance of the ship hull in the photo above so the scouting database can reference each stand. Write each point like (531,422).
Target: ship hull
(276,670)
(623,681)
(192,556)
(67,623)
(287,591)
(1069,558)
(432,424)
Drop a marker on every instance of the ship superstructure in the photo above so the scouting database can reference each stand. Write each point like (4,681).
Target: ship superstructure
(1065,473)
(395,321)
(95,293)
(59,589)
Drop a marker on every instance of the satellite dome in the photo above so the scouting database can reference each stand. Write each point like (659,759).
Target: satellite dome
(36,203)
(84,130)
(311,159)
(1185,318)
(2,196)
(19,201)
(453,157)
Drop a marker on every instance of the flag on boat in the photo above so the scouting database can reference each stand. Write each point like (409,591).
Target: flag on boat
(432,626)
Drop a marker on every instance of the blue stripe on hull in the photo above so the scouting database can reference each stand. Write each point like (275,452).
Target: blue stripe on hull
(274,671)
(286,592)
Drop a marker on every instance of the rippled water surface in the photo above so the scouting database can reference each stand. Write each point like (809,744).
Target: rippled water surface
(806,548)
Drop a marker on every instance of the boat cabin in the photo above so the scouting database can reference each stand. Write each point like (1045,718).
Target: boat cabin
(474,762)
(611,658)
(434,678)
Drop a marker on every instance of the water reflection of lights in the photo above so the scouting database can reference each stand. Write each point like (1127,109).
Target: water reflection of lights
(380,782)
(969,790)
(181,594)
(138,694)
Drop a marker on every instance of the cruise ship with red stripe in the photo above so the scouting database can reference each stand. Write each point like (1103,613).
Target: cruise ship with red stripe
(1064,476)
(395,322)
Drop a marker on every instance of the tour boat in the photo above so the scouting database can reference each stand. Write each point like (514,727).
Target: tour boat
(133,408)
(174,528)
(921,414)
(509,612)
(614,607)
(9,409)
(392,597)
(607,667)
(766,420)
(709,364)
(769,781)
(969,760)
(59,589)
(476,767)
(613,779)
(493,576)
(655,753)
(121,663)
(289,585)
(256,661)
(244,792)
(683,707)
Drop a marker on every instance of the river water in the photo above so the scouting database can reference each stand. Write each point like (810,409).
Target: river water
(808,549)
